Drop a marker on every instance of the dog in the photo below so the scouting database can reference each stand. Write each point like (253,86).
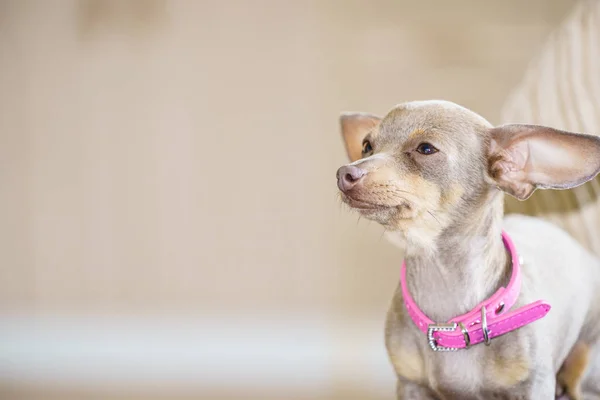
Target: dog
(487,307)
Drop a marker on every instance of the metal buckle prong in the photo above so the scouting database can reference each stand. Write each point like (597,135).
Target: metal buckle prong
(448,327)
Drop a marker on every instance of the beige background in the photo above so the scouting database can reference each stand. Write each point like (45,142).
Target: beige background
(171,164)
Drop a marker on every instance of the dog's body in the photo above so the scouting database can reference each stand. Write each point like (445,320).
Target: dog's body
(429,172)
(519,365)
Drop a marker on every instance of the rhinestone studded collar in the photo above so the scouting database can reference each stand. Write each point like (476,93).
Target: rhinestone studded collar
(490,319)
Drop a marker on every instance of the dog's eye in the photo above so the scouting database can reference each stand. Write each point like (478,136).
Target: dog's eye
(427,149)
(367,148)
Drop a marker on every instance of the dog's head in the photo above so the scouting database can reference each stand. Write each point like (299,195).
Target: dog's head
(428,165)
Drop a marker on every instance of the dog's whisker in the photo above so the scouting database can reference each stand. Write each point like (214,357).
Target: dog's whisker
(434,217)
(382,234)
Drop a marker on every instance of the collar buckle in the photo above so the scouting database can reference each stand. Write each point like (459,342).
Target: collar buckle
(448,327)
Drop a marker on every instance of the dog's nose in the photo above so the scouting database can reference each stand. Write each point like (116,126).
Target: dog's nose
(348,176)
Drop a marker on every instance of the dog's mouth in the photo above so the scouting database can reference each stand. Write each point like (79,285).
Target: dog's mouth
(361,204)
(366,205)
(385,214)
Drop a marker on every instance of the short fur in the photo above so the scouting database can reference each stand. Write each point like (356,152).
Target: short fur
(447,210)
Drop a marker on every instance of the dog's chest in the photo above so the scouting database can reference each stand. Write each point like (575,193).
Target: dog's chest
(504,367)
(476,372)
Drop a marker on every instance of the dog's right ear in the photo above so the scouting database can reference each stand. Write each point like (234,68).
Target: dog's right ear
(355,126)
(523,158)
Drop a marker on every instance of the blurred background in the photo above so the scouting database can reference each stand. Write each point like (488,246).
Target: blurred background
(169,221)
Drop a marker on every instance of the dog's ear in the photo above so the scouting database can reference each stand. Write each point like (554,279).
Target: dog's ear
(355,126)
(523,158)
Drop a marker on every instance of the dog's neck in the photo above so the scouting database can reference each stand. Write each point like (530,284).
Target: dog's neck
(467,263)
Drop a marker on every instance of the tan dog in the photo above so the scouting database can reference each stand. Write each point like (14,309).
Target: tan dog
(434,175)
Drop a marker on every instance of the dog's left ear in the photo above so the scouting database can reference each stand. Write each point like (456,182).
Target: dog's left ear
(523,158)
(355,126)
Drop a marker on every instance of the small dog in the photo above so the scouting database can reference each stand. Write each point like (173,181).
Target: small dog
(434,175)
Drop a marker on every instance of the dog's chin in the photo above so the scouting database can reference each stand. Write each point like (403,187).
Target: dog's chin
(362,205)
(390,216)
(406,226)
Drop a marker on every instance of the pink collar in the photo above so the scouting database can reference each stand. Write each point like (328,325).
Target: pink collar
(491,318)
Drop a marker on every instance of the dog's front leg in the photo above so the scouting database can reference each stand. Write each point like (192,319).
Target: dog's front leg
(406,390)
